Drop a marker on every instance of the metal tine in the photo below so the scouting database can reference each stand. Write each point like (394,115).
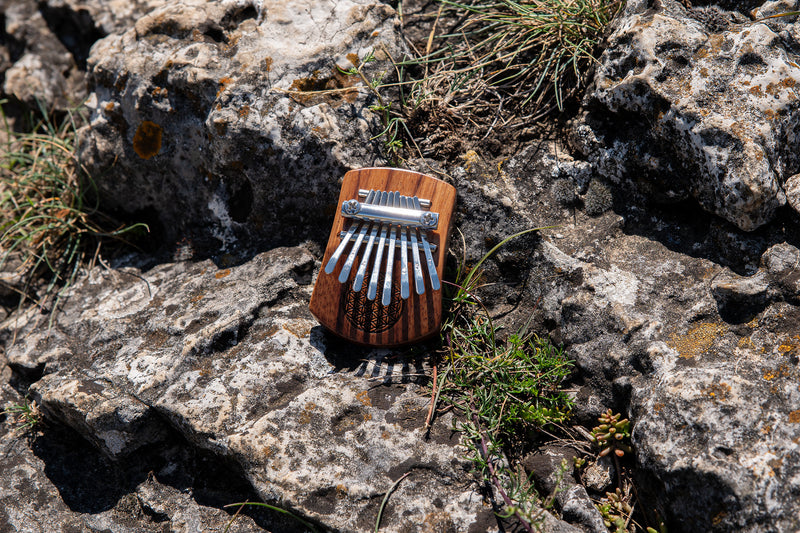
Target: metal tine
(348,264)
(404,286)
(435,284)
(342,245)
(362,268)
(372,290)
(386,298)
(419,281)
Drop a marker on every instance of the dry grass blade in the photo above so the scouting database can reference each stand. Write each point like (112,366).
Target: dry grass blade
(534,54)
(48,227)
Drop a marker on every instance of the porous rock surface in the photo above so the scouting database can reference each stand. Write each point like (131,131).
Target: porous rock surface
(36,68)
(674,316)
(232,361)
(232,122)
(684,323)
(698,103)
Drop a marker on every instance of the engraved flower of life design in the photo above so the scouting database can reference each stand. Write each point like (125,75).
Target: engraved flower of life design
(372,316)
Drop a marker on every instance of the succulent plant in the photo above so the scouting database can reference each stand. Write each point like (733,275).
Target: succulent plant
(615,511)
(612,434)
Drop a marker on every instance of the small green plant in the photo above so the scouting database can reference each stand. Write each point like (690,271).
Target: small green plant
(616,511)
(49,227)
(23,416)
(503,389)
(393,123)
(612,435)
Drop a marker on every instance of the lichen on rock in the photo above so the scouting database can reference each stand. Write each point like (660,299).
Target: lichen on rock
(683,108)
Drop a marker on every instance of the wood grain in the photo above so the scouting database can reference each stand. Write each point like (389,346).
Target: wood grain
(404,321)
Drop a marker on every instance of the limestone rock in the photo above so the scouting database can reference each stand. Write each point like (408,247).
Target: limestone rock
(635,297)
(52,480)
(36,68)
(792,187)
(232,361)
(700,104)
(778,279)
(230,123)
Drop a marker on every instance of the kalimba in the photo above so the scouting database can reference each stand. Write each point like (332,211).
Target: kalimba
(380,283)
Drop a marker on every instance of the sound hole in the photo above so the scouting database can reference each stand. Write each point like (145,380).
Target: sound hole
(371,316)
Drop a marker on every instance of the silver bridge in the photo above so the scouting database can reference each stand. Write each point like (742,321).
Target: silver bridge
(385,222)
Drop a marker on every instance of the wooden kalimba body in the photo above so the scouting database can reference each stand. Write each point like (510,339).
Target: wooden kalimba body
(380,283)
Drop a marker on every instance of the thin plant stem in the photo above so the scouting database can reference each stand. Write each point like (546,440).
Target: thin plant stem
(386,499)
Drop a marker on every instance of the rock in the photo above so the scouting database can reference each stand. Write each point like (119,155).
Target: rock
(635,298)
(38,69)
(740,297)
(60,482)
(792,188)
(232,362)
(116,423)
(577,508)
(696,104)
(550,468)
(598,476)
(778,279)
(242,112)
(98,18)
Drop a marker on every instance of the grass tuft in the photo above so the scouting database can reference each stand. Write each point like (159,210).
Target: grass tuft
(528,56)
(49,226)
(23,416)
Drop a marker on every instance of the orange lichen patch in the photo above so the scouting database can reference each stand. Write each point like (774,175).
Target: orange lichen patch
(267,451)
(746,342)
(341,491)
(305,414)
(298,332)
(787,346)
(756,90)
(363,397)
(657,407)
(223,83)
(766,429)
(197,297)
(353,59)
(769,375)
(267,62)
(244,111)
(147,139)
(109,107)
(772,89)
(718,391)
(470,158)
(698,340)
(794,417)
(223,273)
